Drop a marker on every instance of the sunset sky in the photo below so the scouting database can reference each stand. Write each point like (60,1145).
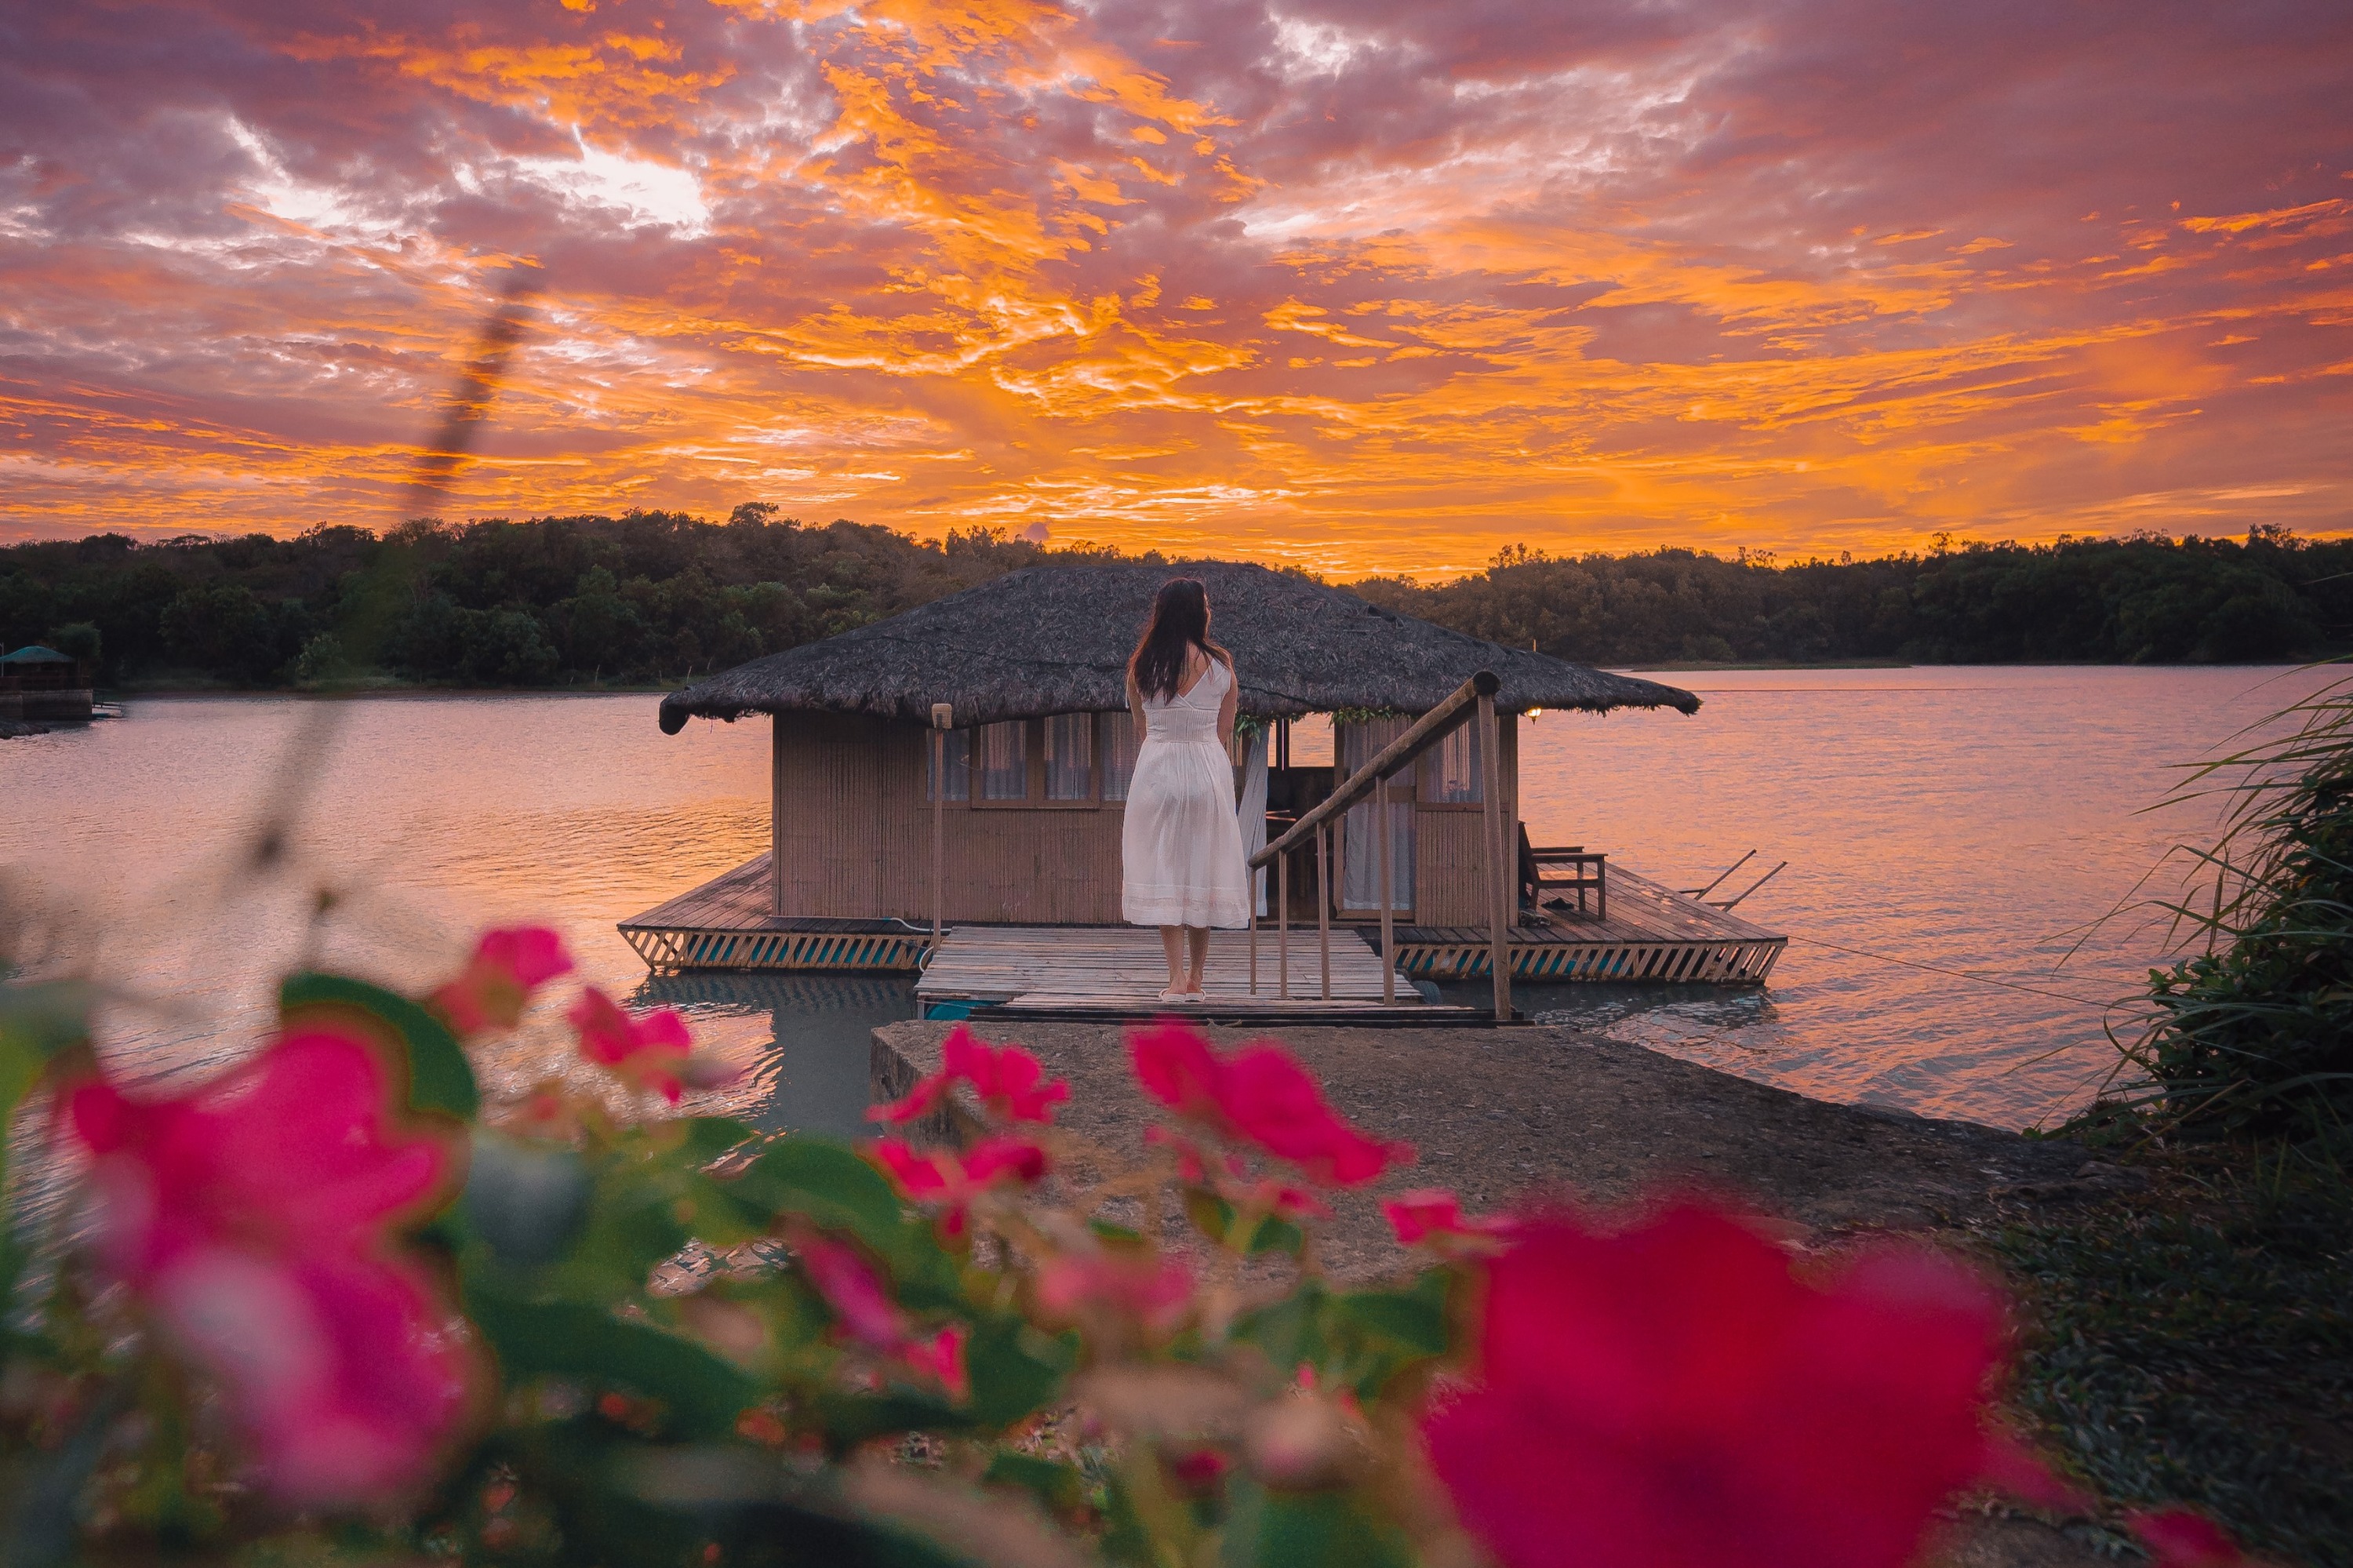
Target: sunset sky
(1356,284)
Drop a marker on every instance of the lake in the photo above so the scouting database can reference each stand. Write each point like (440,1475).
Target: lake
(1951,834)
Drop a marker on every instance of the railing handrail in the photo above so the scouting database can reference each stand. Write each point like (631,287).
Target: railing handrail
(1427,731)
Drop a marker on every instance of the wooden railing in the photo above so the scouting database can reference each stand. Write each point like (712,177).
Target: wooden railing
(1476,698)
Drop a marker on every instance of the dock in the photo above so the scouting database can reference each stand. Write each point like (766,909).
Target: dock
(1117,971)
(1652,935)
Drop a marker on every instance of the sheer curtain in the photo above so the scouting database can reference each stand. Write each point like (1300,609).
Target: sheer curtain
(1360,863)
(1254,808)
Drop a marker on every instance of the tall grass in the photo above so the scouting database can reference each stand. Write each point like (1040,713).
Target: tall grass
(2251,1031)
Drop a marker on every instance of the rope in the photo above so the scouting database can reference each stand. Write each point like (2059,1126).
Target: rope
(1960,974)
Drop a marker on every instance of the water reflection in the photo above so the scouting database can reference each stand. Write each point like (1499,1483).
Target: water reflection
(810,1073)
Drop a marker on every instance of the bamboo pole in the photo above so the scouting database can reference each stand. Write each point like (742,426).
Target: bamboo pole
(1324,903)
(1283,925)
(943,720)
(1388,915)
(1499,869)
(1253,928)
(776,815)
(1427,731)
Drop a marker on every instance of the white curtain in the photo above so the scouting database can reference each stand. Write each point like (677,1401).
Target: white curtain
(1252,808)
(1360,851)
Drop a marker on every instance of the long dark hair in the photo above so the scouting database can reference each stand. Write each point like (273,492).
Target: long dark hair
(1180,623)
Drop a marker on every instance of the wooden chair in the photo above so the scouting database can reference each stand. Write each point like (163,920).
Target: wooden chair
(1543,887)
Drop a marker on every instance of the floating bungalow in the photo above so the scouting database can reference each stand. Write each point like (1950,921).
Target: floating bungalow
(946,791)
(37,683)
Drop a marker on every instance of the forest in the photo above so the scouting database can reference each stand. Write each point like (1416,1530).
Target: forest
(653,597)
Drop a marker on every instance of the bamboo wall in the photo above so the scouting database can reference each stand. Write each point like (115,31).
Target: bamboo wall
(1449,846)
(853,834)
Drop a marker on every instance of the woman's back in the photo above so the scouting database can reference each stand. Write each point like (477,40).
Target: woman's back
(1191,714)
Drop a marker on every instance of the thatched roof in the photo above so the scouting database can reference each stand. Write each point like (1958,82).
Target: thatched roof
(1055,640)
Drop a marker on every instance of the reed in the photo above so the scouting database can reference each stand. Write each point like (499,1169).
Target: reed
(2251,1030)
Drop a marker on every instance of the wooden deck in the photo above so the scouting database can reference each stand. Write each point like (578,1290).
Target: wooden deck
(1118,971)
(725,925)
(1653,934)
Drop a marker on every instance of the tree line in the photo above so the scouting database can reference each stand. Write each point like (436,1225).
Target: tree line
(2142,600)
(655,597)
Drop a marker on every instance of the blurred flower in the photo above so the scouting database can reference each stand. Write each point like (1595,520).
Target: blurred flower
(1673,1396)
(496,983)
(1141,1287)
(1173,1063)
(1010,1083)
(648,1051)
(1196,1471)
(949,1183)
(1259,1094)
(255,1217)
(941,1357)
(862,1306)
(1433,1217)
(2177,1538)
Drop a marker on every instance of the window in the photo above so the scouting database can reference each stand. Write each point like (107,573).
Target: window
(1119,745)
(1071,756)
(1005,761)
(1450,770)
(957,754)
(1360,844)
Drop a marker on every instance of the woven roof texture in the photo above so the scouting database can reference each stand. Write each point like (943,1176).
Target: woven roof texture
(1052,640)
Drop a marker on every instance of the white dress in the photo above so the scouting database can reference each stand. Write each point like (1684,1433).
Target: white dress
(1182,843)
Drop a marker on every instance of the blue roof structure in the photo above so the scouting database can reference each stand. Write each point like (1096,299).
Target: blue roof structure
(34,653)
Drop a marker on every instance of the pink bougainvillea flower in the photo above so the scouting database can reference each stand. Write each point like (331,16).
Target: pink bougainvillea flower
(648,1051)
(1673,1396)
(1259,1094)
(1433,1217)
(496,984)
(862,1306)
(1011,1084)
(852,1290)
(942,1358)
(1174,1065)
(255,1218)
(1139,1288)
(945,1180)
(2176,1538)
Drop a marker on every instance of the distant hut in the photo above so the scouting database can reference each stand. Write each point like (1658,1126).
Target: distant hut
(37,683)
(1037,766)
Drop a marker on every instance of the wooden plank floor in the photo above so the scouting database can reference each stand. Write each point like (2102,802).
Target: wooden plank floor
(1640,910)
(1122,966)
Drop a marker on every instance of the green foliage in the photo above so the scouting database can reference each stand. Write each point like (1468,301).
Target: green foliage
(439,1077)
(2202,1351)
(2141,600)
(647,596)
(2254,1030)
(657,596)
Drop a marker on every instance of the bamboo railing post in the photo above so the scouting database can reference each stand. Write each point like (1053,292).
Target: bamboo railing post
(1388,916)
(1499,874)
(1253,928)
(943,720)
(1324,903)
(776,815)
(1283,926)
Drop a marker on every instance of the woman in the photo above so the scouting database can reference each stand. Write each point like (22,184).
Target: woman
(1181,843)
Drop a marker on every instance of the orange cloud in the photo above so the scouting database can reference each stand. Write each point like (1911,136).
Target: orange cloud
(1372,286)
